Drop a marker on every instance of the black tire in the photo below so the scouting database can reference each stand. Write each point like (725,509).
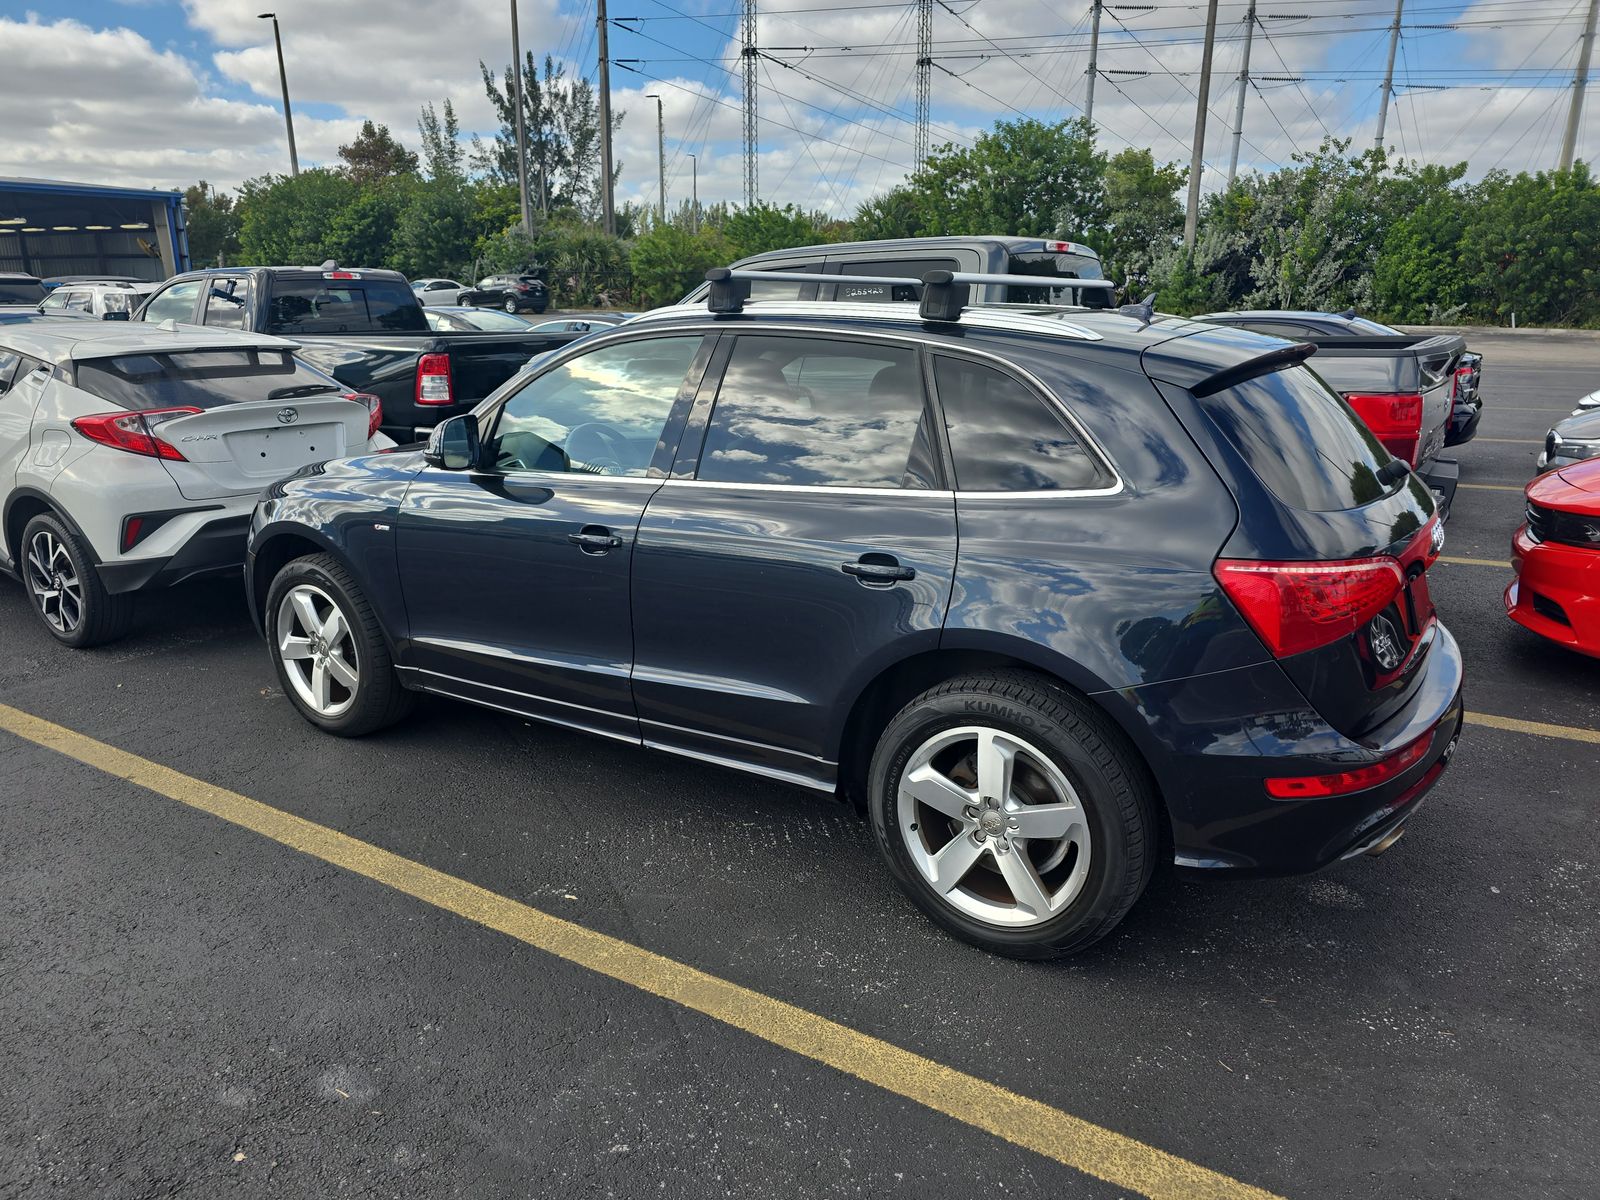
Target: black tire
(379,698)
(1113,786)
(102,616)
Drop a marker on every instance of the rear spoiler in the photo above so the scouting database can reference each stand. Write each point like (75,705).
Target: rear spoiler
(1252,368)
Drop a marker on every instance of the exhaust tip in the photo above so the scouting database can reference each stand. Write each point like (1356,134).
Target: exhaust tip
(1388,841)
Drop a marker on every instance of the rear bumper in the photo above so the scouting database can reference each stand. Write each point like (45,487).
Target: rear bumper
(1221,737)
(1443,476)
(217,547)
(1556,593)
(1464,420)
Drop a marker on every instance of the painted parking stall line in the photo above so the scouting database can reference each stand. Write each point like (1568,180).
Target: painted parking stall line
(1569,733)
(1503,564)
(1030,1124)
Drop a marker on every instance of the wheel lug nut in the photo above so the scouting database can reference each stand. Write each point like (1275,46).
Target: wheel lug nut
(1014,823)
(970,813)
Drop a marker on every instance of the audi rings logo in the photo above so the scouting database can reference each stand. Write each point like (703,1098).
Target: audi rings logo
(288,416)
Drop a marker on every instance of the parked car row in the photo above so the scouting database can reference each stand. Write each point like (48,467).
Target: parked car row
(514,293)
(1187,615)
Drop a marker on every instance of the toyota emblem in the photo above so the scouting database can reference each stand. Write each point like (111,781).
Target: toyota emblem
(288,416)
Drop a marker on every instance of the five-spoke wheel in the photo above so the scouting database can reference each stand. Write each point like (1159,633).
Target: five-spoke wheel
(317,651)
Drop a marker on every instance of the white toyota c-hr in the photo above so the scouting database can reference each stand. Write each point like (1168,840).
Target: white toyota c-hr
(131,456)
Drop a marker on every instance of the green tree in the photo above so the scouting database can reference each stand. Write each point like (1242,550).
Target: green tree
(287,219)
(434,232)
(375,155)
(1417,277)
(213,223)
(1025,178)
(444,158)
(764,227)
(1143,216)
(668,261)
(891,215)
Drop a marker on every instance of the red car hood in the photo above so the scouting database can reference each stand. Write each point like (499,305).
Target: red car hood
(1571,489)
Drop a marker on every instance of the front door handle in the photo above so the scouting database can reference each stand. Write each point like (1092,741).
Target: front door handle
(878,568)
(594,539)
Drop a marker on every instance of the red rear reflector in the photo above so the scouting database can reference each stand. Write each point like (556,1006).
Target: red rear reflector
(1342,783)
(434,382)
(374,409)
(1298,606)
(131,431)
(130,532)
(1395,419)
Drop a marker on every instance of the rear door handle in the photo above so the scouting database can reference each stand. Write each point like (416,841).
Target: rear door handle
(594,539)
(878,568)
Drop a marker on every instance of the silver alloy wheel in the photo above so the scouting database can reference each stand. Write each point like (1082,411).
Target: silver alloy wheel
(994,826)
(317,650)
(54,582)
(511,306)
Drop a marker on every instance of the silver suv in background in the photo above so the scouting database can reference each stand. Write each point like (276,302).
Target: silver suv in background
(131,456)
(104,299)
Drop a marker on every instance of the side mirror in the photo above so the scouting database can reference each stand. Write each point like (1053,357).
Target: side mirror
(115,314)
(453,444)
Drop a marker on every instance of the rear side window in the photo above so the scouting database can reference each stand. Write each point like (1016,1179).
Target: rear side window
(9,359)
(1003,438)
(226,303)
(199,378)
(21,291)
(344,306)
(1302,441)
(176,303)
(1057,266)
(815,412)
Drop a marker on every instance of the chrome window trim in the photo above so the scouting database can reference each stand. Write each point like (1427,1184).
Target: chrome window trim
(706,326)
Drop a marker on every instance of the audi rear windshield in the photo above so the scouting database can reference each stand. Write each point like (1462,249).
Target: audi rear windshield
(1304,443)
(344,306)
(200,378)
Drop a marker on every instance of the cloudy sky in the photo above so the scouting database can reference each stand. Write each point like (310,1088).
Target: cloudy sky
(165,92)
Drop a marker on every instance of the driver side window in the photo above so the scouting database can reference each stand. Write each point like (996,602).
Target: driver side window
(601,413)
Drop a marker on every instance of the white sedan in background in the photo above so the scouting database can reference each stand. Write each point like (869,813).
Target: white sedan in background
(439,291)
(131,456)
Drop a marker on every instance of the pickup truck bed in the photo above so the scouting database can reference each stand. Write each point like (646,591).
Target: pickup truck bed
(363,327)
(1403,386)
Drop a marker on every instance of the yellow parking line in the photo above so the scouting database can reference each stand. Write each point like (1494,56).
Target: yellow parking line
(1537,728)
(1492,487)
(1113,1157)
(1527,441)
(1473,562)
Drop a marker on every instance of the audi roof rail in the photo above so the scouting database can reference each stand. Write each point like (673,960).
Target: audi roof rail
(945,294)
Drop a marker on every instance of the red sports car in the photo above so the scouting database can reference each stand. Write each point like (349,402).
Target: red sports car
(1557,559)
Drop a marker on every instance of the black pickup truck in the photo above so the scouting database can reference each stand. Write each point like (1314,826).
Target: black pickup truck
(366,328)
(1408,388)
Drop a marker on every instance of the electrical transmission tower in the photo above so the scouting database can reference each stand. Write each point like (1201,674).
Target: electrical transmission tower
(747,33)
(924,71)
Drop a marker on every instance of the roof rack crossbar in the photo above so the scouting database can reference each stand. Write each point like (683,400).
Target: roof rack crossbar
(944,293)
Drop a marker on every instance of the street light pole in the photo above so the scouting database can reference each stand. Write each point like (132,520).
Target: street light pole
(1191,216)
(283,79)
(694,203)
(661,156)
(522,125)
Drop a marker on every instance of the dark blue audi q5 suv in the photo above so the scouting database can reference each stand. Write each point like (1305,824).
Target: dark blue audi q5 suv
(1056,594)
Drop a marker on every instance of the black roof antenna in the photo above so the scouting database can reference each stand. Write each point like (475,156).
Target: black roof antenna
(1143,312)
(1348,314)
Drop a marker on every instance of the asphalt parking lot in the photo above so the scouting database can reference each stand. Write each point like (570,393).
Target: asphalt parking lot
(189,1006)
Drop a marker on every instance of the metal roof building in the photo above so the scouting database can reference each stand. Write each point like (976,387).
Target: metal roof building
(52,227)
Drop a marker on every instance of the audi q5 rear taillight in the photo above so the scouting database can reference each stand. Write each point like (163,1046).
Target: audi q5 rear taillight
(1395,419)
(435,385)
(133,432)
(1298,606)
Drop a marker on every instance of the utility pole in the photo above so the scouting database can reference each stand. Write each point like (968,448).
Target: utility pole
(522,124)
(919,152)
(749,53)
(607,204)
(1580,84)
(1388,74)
(283,79)
(1094,59)
(1191,219)
(694,203)
(1244,84)
(661,156)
